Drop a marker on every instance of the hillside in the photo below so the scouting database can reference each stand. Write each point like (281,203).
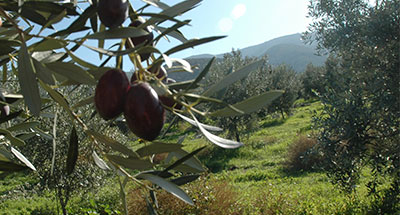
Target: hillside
(289,49)
(297,56)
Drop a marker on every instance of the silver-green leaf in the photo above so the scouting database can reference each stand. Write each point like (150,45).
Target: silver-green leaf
(168,186)
(27,81)
(249,105)
(22,158)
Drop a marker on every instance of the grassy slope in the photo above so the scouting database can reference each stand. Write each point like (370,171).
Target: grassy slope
(264,186)
(255,176)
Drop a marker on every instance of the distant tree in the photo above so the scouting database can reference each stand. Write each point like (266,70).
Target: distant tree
(360,122)
(252,85)
(312,81)
(284,78)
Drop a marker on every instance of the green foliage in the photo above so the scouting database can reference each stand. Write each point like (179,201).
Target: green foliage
(253,85)
(32,206)
(302,154)
(360,123)
(248,180)
(283,78)
(312,81)
(211,196)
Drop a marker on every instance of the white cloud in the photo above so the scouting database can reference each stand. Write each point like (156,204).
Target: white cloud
(238,11)
(225,24)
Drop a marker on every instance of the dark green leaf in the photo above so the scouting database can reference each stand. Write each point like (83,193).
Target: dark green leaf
(27,81)
(6,47)
(57,97)
(130,163)
(175,10)
(79,23)
(11,167)
(184,168)
(113,144)
(73,72)
(185,179)
(182,85)
(191,44)
(10,116)
(26,136)
(49,44)
(250,105)
(168,186)
(217,101)
(172,31)
(14,140)
(33,16)
(101,42)
(80,61)
(54,20)
(202,74)
(93,23)
(85,101)
(73,151)
(48,6)
(118,33)
(157,148)
(43,73)
(42,133)
(23,126)
(159,173)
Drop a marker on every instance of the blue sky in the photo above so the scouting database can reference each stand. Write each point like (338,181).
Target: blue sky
(245,23)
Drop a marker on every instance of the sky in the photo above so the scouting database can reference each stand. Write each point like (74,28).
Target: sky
(244,22)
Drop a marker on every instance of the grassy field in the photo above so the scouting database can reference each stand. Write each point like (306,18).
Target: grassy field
(254,179)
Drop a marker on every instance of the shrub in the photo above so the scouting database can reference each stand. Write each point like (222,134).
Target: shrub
(301,154)
(210,196)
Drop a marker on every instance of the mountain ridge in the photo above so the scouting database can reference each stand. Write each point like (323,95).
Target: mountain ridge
(278,51)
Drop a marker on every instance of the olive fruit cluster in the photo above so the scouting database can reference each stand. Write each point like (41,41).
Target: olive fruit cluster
(115,94)
(142,107)
(161,74)
(113,13)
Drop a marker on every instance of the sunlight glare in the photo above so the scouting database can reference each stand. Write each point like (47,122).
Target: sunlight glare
(238,11)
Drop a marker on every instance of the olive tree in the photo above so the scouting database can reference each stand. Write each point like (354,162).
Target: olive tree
(256,83)
(312,81)
(40,45)
(360,122)
(283,78)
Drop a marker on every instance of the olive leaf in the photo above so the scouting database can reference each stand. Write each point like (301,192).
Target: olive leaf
(73,151)
(27,81)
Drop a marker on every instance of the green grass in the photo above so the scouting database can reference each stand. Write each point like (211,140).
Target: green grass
(255,175)
(257,172)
